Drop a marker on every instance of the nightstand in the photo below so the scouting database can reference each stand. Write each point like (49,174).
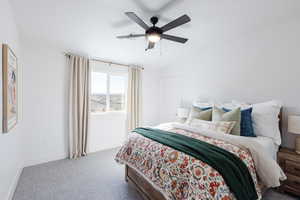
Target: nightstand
(289,161)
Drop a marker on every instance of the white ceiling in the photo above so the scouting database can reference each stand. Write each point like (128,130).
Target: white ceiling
(90,26)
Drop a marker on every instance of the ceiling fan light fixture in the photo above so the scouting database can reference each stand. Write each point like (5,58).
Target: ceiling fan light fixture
(153,37)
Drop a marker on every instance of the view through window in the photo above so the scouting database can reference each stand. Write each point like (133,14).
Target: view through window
(108,91)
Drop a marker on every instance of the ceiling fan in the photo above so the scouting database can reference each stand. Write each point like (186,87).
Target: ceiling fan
(153,33)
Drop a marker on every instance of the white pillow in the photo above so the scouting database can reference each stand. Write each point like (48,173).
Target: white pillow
(205,103)
(236,104)
(265,120)
(218,126)
(229,105)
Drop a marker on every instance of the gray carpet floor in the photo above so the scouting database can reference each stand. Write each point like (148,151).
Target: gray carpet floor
(95,177)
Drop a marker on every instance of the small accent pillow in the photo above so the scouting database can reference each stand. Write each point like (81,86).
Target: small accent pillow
(246,122)
(199,113)
(220,126)
(234,115)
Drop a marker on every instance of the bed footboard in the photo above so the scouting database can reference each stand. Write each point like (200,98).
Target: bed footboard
(142,185)
(146,190)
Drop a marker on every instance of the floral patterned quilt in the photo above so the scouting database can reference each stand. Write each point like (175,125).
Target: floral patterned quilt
(177,175)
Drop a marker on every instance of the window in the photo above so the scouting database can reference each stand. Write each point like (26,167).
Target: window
(117,93)
(99,92)
(108,89)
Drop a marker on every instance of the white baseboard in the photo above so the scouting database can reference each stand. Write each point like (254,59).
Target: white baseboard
(14,184)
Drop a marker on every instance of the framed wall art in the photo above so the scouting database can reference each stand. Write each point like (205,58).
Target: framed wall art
(10,88)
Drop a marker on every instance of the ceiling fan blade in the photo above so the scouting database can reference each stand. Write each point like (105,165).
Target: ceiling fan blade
(150,45)
(174,38)
(130,36)
(137,20)
(175,23)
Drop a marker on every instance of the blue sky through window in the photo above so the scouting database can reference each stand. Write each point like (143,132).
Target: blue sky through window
(99,83)
(117,85)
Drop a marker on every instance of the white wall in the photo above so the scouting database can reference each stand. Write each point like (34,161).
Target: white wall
(45,99)
(256,66)
(45,91)
(151,80)
(11,145)
(107,130)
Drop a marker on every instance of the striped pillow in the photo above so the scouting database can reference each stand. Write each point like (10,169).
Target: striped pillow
(246,122)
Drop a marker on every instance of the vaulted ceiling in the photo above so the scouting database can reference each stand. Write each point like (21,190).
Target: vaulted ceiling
(91,26)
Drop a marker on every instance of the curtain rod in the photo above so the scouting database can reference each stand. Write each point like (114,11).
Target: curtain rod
(107,62)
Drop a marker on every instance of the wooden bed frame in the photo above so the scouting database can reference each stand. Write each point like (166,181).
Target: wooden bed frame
(148,192)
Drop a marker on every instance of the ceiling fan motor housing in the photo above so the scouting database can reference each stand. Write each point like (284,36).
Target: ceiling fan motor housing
(154,29)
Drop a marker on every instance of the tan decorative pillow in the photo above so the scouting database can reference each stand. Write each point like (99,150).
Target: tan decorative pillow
(199,114)
(219,126)
(233,115)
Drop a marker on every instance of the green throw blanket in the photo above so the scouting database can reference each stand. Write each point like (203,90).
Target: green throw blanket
(232,168)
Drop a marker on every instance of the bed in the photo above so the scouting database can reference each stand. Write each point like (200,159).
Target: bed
(148,192)
(152,189)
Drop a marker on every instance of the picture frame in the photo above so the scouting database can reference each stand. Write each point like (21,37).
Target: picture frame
(9,89)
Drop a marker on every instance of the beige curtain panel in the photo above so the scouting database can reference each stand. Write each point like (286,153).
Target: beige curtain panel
(78,105)
(134,98)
